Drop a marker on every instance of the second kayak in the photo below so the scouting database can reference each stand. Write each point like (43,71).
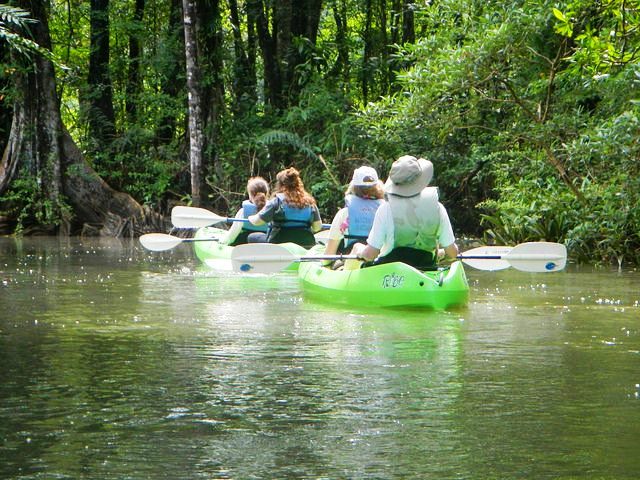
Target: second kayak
(217,255)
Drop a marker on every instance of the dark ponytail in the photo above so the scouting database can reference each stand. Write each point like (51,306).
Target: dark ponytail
(258,189)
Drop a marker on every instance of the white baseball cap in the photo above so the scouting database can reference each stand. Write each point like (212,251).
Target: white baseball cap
(364,177)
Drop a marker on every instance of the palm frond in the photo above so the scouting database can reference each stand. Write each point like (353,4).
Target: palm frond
(13,20)
(14,16)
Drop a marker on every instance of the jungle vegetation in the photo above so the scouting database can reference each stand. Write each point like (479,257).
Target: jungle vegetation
(114,111)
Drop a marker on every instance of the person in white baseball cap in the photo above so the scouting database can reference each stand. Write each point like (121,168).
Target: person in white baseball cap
(352,222)
(364,177)
(412,226)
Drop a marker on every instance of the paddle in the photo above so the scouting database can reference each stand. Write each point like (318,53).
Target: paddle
(490,257)
(528,257)
(272,258)
(158,242)
(196,217)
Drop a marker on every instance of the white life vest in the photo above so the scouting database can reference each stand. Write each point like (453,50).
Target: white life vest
(416,220)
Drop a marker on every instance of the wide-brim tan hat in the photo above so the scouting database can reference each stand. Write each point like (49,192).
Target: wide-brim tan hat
(408,176)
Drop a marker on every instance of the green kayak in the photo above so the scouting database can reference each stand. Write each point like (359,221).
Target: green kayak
(389,285)
(218,255)
(212,254)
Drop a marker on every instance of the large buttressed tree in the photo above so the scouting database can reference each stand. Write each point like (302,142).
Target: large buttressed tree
(42,161)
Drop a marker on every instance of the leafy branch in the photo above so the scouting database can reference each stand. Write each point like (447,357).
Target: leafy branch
(14,20)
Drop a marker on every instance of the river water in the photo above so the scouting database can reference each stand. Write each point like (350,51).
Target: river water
(117,363)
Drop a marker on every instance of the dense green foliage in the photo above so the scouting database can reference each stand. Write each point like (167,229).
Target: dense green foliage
(528,110)
(530,117)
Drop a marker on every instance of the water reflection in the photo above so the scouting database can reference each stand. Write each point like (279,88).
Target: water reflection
(121,364)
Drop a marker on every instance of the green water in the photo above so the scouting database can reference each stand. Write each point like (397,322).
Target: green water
(116,363)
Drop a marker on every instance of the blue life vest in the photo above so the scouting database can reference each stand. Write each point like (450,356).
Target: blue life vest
(288,216)
(361,214)
(249,209)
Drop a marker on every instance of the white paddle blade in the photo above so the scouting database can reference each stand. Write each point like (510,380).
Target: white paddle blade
(538,257)
(159,242)
(194,217)
(489,263)
(261,258)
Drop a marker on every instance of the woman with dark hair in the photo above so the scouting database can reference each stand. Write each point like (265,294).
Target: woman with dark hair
(257,190)
(292,214)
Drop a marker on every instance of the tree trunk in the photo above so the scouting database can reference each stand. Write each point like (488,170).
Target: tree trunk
(268,45)
(408,24)
(211,33)
(6,110)
(368,48)
(196,136)
(40,149)
(133,80)
(244,77)
(303,19)
(99,96)
(170,74)
(387,75)
(341,67)
(290,19)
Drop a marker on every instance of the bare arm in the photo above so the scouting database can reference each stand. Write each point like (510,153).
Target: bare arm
(234,231)
(256,220)
(316,226)
(366,252)
(331,247)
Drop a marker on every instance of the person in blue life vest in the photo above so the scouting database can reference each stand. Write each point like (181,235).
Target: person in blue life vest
(353,222)
(258,191)
(292,214)
(412,226)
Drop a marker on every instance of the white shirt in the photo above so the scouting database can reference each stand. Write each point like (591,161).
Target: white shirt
(381,235)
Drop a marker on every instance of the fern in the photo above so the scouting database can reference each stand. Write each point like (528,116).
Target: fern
(281,137)
(14,16)
(12,19)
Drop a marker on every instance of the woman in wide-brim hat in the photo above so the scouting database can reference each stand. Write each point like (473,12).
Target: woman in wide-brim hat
(412,226)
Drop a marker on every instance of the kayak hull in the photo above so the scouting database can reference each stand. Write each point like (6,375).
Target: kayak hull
(217,256)
(213,254)
(393,285)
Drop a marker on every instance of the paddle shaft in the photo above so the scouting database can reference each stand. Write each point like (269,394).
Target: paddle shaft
(244,220)
(311,258)
(530,256)
(213,239)
(201,218)
(526,256)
